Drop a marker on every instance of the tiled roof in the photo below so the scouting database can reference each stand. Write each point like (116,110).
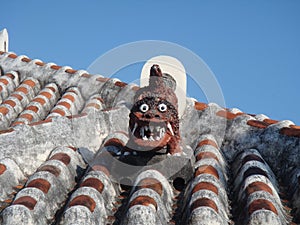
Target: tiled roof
(58,126)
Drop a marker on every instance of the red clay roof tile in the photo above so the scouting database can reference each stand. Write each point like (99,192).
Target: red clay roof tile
(102,79)
(46,94)
(2,169)
(65,104)
(39,100)
(205,186)
(207,142)
(94,105)
(13,56)
(29,82)
(10,102)
(114,142)
(226,114)
(51,169)
(200,105)
(207,169)
(147,182)
(22,89)
(71,71)
(27,201)
(26,59)
(17,96)
(39,63)
(101,168)
(270,121)
(4,110)
(55,67)
(86,75)
(63,157)
(70,97)
(6,131)
(94,183)
(143,200)
(27,116)
(83,200)
(261,204)
(41,184)
(206,155)
(4,81)
(258,186)
(292,132)
(120,84)
(257,123)
(32,108)
(206,202)
(151,183)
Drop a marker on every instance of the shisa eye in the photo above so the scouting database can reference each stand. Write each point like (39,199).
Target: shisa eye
(162,107)
(144,108)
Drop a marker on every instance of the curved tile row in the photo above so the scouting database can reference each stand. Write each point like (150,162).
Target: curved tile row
(255,188)
(11,177)
(207,200)
(70,104)
(150,200)
(260,121)
(110,89)
(46,190)
(17,101)
(92,202)
(94,104)
(8,83)
(40,106)
(293,181)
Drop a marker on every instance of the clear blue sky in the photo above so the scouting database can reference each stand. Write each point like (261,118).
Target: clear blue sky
(253,47)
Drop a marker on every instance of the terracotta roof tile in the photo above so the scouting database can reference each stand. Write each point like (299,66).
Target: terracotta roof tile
(94,183)
(151,198)
(71,71)
(26,59)
(27,201)
(41,184)
(200,106)
(13,56)
(258,124)
(55,67)
(292,132)
(84,201)
(2,168)
(70,104)
(226,114)
(256,189)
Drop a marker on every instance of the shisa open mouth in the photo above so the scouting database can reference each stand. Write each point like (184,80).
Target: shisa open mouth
(151,133)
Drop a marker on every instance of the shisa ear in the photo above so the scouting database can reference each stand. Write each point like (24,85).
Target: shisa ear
(155,71)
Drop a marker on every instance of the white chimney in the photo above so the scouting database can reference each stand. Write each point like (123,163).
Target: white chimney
(4,40)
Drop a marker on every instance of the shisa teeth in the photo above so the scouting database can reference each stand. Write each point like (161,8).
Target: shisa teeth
(151,133)
(170,128)
(135,126)
(151,128)
(145,138)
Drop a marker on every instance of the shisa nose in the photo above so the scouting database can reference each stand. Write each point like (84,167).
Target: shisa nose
(152,114)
